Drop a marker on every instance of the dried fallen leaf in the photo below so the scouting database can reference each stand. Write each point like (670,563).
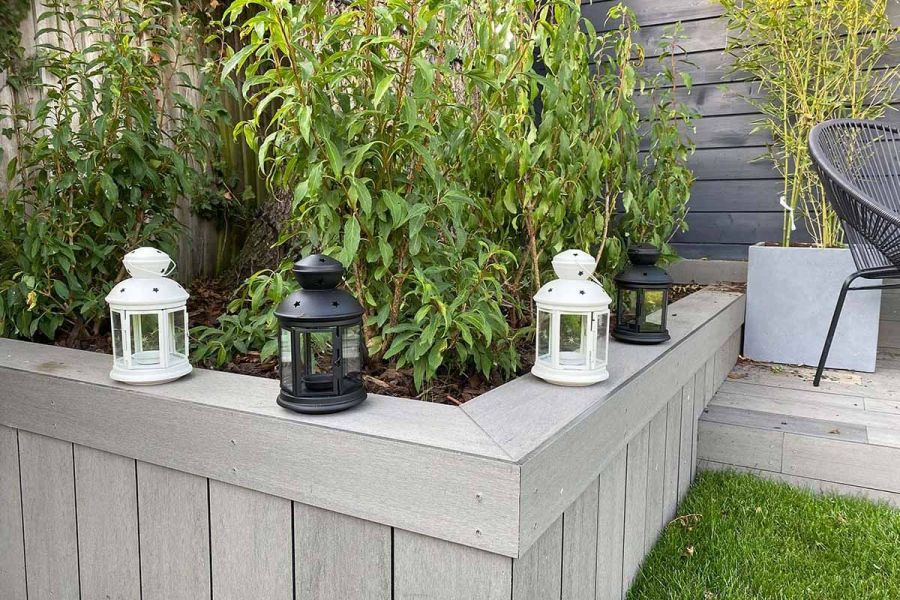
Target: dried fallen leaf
(835,431)
(688,552)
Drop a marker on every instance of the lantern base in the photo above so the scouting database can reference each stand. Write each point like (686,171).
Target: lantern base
(150,376)
(631,337)
(569,378)
(318,405)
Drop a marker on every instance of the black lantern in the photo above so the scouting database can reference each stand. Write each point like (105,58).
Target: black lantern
(642,298)
(321,344)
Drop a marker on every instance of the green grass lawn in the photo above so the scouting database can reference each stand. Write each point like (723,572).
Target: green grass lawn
(741,537)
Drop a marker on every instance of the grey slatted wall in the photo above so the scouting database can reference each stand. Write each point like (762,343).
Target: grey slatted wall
(735,201)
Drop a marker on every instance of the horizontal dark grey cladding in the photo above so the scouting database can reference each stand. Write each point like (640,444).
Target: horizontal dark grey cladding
(731,181)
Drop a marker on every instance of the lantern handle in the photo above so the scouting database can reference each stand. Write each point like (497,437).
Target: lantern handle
(169,269)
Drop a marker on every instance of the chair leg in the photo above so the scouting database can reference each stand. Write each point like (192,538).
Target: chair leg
(834,322)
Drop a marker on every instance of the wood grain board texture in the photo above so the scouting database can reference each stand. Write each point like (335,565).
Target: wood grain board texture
(198,244)
(735,199)
(89,524)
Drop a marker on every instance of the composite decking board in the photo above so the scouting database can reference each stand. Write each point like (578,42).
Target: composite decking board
(742,446)
(656,474)
(579,567)
(685,443)
(637,464)
(868,466)
(804,391)
(879,405)
(743,417)
(814,485)
(251,544)
(426,567)
(881,436)
(12,543)
(479,496)
(672,463)
(611,527)
(536,575)
(527,398)
(400,419)
(49,517)
(808,409)
(173,516)
(556,475)
(108,544)
(339,557)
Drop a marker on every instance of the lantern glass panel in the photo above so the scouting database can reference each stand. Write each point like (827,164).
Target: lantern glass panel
(573,330)
(351,354)
(315,367)
(177,332)
(543,335)
(145,340)
(652,311)
(627,311)
(118,349)
(287,362)
(602,339)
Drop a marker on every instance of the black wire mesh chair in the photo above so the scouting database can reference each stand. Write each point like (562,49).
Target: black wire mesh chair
(859,165)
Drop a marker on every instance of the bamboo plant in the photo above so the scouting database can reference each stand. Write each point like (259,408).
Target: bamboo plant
(814,60)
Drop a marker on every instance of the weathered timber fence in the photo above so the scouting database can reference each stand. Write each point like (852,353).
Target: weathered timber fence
(735,200)
(199,247)
(205,488)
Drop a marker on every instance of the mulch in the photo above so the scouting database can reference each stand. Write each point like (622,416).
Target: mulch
(209,300)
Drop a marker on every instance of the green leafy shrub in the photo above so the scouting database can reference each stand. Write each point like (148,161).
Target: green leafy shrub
(103,156)
(816,60)
(430,153)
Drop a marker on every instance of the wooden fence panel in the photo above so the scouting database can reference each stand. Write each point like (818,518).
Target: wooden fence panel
(12,544)
(427,568)
(108,546)
(174,522)
(252,545)
(338,556)
(611,528)
(48,507)
(579,568)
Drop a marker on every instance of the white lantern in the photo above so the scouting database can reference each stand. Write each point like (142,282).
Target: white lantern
(149,321)
(572,338)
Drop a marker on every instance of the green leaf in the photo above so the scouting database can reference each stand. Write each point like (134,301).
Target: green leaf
(381,88)
(334,158)
(351,239)
(96,218)
(61,290)
(110,190)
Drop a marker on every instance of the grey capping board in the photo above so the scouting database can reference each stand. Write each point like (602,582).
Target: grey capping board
(502,468)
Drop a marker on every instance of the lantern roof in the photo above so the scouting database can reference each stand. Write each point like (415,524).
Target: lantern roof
(642,270)
(575,288)
(148,288)
(319,298)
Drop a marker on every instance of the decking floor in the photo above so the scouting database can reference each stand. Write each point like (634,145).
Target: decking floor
(843,437)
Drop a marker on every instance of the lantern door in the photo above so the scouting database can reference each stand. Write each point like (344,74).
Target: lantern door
(308,361)
(653,310)
(177,335)
(144,340)
(628,309)
(600,337)
(349,361)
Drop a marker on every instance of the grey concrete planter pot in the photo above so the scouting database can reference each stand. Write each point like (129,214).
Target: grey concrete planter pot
(791,294)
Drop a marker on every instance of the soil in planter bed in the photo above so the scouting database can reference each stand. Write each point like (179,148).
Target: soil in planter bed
(209,299)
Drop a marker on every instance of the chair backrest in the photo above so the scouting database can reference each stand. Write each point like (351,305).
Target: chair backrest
(859,165)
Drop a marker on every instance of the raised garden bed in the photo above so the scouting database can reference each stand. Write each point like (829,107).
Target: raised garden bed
(524,490)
